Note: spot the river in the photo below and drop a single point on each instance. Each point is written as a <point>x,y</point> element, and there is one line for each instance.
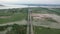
<point>14,6</point>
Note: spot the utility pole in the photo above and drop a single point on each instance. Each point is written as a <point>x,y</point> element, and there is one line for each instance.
<point>29,22</point>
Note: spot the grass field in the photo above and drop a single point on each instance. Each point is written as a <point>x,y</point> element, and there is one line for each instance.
<point>12,15</point>
<point>44,30</point>
<point>46,10</point>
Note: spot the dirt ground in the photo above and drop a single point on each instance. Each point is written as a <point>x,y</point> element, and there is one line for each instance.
<point>40,22</point>
<point>5,16</point>
<point>43,16</point>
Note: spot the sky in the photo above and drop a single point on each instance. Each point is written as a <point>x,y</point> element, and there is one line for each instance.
<point>29,1</point>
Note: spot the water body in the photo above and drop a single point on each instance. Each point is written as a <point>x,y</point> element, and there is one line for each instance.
<point>25,6</point>
<point>12,6</point>
<point>50,6</point>
<point>15,6</point>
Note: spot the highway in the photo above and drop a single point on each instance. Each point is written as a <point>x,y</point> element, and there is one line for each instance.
<point>29,23</point>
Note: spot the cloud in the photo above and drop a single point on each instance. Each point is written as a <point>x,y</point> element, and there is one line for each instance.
<point>30,1</point>
<point>46,1</point>
<point>8,0</point>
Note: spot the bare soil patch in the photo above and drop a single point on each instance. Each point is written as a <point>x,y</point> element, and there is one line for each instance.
<point>41,20</point>
<point>46,16</point>
<point>5,16</point>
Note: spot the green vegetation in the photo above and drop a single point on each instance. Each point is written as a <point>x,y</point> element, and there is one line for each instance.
<point>18,29</point>
<point>46,10</point>
<point>15,15</point>
<point>43,30</point>
<point>2,28</point>
<point>21,13</point>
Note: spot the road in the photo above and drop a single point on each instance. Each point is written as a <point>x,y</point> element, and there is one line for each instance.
<point>29,23</point>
